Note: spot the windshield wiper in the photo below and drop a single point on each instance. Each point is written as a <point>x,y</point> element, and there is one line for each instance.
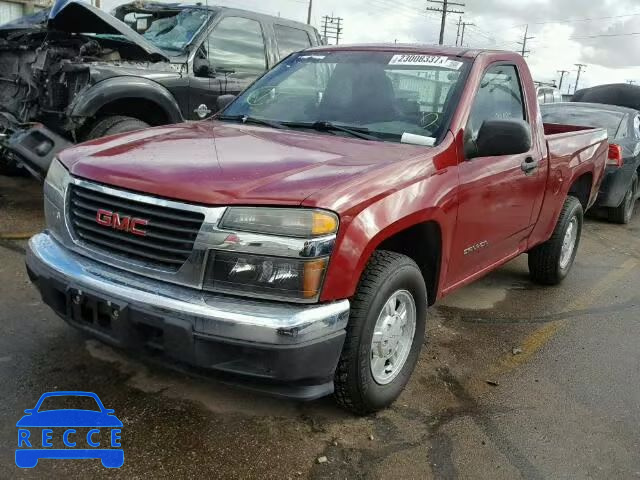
<point>254,120</point>
<point>359,132</point>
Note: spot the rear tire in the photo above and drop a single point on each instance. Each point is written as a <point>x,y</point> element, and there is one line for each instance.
<point>550,262</point>
<point>115,124</point>
<point>388,278</point>
<point>623,213</point>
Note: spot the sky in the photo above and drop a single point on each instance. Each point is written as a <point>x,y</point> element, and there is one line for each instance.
<point>603,34</point>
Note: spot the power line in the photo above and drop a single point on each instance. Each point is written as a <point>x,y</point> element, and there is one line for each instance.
<point>444,10</point>
<point>332,28</point>
<point>580,67</point>
<point>524,42</point>
<point>575,20</point>
<point>593,19</point>
<point>562,74</point>
<point>605,35</point>
<point>464,26</point>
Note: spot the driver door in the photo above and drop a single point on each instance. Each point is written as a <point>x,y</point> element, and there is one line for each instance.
<point>496,196</point>
<point>235,48</point>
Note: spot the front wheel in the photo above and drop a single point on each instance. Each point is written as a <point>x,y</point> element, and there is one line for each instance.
<point>550,262</point>
<point>113,125</point>
<point>384,335</point>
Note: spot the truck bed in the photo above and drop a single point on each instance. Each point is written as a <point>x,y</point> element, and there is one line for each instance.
<point>565,142</point>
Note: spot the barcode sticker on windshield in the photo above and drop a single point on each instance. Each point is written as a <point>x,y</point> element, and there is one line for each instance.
<point>419,60</point>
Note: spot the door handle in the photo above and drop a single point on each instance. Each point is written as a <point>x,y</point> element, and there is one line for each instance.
<point>529,165</point>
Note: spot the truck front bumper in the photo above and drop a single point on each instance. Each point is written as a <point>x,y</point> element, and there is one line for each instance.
<point>284,349</point>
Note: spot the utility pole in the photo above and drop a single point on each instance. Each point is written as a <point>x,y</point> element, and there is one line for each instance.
<point>444,9</point>
<point>464,28</point>
<point>580,66</point>
<point>562,74</point>
<point>631,82</point>
<point>458,33</point>
<point>309,12</point>
<point>524,41</point>
<point>332,28</point>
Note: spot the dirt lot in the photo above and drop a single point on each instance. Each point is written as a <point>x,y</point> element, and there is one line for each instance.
<point>515,381</point>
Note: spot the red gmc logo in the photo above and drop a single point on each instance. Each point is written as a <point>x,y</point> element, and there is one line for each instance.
<point>124,224</point>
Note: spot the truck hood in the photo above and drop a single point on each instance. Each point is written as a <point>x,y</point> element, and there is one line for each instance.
<point>222,164</point>
<point>74,16</point>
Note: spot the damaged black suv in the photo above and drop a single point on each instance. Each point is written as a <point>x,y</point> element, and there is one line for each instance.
<point>74,72</point>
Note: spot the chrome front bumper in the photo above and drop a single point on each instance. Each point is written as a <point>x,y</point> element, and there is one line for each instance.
<point>209,315</point>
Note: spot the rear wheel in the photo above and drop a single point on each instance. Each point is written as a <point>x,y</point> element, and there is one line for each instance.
<point>623,213</point>
<point>113,125</point>
<point>550,262</point>
<point>384,335</point>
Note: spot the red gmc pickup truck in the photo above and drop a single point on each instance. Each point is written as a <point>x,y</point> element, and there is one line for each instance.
<point>294,242</point>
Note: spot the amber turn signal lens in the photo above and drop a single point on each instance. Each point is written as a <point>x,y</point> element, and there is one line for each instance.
<point>313,275</point>
<point>324,223</point>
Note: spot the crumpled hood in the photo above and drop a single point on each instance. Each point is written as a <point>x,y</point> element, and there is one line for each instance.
<point>221,164</point>
<point>74,16</point>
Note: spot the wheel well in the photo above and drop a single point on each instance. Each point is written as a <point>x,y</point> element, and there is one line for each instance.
<point>140,108</point>
<point>581,189</point>
<point>423,244</point>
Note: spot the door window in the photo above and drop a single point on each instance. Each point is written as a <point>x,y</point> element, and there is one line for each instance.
<point>499,98</point>
<point>236,46</point>
<point>291,40</point>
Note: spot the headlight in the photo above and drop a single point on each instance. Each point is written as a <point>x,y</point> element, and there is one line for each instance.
<point>288,222</point>
<point>278,277</point>
<point>55,189</point>
<point>58,176</point>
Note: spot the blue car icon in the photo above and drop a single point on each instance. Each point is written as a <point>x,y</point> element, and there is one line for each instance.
<point>31,448</point>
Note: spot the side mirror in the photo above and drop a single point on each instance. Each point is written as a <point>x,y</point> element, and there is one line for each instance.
<point>202,68</point>
<point>503,137</point>
<point>224,100</point>
<point>29,411</point>
<point>109,411</point>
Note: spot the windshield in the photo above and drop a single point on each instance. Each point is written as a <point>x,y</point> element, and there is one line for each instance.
<point>67,402</point>
<point>386,94</point>
<point>168,30</point>
<point>571,114</point>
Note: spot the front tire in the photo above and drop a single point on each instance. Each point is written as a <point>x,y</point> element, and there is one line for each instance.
<point>550,262</point>
<point>623,213</point>
<point>384,335</point>
<point>115,124</point>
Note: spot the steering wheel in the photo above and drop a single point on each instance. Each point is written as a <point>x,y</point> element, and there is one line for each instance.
<point>262,96</point>
<point>429,120</point>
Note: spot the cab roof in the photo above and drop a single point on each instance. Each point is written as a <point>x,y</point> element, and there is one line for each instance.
<point>410,47</point>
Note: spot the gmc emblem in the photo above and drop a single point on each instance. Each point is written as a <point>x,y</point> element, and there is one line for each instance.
<point>124,224</point>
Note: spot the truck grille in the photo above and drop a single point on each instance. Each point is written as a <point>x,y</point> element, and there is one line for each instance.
<point>167,239</point>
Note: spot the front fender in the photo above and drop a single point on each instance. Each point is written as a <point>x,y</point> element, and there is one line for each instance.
<point>432,199</point>
<point>91,100</point>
